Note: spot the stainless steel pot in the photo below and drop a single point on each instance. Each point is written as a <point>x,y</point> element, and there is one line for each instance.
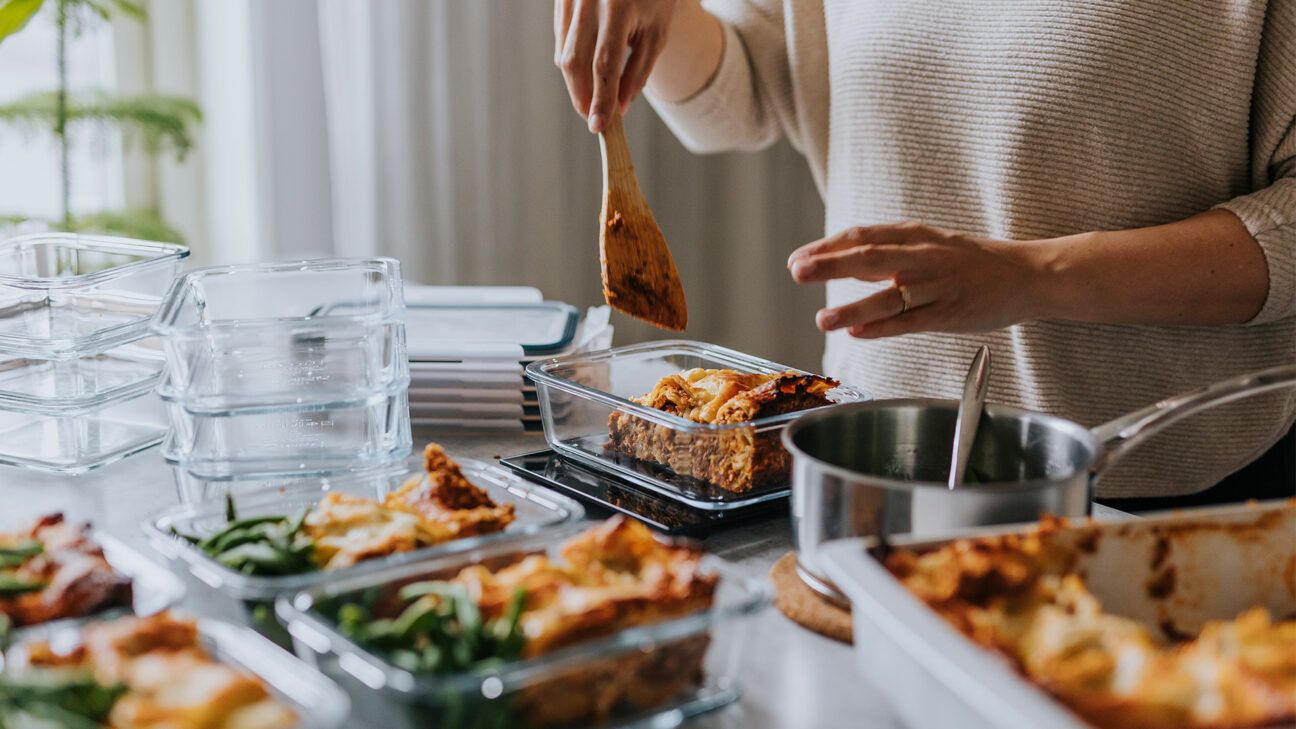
<point>880,467</point>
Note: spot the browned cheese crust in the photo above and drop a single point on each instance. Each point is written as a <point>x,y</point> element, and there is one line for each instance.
<point>737,459</point>
<point>1019,596</point>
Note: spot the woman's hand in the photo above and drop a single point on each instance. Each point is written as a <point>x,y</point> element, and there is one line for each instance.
<point>953,282</point>
<point>606,50</point>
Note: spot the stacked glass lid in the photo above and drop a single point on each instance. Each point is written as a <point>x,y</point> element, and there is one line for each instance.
<point>287,369</point>
<point>76,370</point>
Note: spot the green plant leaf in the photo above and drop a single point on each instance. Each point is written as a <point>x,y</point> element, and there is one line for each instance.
<point>14,15</point>
<point>159,122</point>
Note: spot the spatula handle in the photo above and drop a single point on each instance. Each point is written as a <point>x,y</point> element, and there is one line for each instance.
<point>616,153</point>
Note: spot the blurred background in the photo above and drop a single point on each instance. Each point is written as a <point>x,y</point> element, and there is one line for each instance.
<point>435,131</point>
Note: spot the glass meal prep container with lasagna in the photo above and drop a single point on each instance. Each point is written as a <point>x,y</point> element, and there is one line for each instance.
<point>531,509</point>
<point>693,421</point>
<point>64,296</point>
<point>167,670</point>
<point>268,335</point>
<point>56,571</point>
<point>609,627</point>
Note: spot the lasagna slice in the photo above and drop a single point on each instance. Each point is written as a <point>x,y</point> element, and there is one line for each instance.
<point>440,508</point>
<point>733,459</point>
<point>56,570</point>
<point>170,681</point>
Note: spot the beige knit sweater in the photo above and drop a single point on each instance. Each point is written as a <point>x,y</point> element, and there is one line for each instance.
<point>1024,119</point>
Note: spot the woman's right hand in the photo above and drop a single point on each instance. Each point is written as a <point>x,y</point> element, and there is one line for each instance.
<point>606,50</point>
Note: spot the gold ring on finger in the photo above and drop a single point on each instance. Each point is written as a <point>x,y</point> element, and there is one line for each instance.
<point>905,300</point>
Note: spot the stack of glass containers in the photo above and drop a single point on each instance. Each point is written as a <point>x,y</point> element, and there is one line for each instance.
<point>283,370</point>
<point>75,375</point>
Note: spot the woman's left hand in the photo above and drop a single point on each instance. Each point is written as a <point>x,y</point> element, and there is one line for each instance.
<point>952,282</point>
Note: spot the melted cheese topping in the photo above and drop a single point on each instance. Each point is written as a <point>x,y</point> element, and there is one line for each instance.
<point>727,396</point>
<point>613,575</point>
<point>440,508</point>
<point>1012,595</point>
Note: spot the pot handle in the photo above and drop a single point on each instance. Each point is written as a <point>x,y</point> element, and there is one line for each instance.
<point>1124,433</point>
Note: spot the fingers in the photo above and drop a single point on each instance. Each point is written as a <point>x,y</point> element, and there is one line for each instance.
<point>892,233</point>
<point>638,68</point>
<point>926,319</point>
<point>609,60</point>
<point>866,263</point>
<point>562,21</point>
<point>577,57</point>
<point>877,307</point>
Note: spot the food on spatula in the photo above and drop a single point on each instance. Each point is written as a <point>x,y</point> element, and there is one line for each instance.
<point>733,459</point>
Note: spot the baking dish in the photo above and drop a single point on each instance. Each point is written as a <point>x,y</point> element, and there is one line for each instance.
<point>481,696</point>
<point>1223,559</point>
<point>64,295</point>
<point>153,589</point>
<point>261,335</point>
<point>81,441</point>
<point>536,509</point>
<point>351,435</point>
<point>578,395</point>
<point>317,701</point>
<point>56,387</point>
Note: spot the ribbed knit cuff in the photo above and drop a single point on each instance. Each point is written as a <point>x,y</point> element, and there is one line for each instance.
<point>705,121</point>
<point>1270,216</point>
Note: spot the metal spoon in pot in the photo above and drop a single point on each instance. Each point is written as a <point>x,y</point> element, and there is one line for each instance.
<point>969,415</point>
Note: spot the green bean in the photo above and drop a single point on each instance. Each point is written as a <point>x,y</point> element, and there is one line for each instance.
<point>11,586</point>
<point>16,555</point>
<point>439,630</point>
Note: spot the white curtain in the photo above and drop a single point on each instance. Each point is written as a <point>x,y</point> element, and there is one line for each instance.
<point>453,147</point>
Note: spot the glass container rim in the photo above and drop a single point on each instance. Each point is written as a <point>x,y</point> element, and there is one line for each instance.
<point>542,372</point>
<point>156,253</point>
<point>164,319</point>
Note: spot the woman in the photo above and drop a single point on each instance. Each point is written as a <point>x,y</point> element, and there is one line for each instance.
<point>1104,192</point>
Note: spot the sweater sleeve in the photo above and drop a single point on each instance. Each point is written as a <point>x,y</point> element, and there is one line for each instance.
<point>751,100</point>
<point>1269,212</point>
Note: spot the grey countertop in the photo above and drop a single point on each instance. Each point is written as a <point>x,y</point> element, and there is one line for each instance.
<point>791,677</point>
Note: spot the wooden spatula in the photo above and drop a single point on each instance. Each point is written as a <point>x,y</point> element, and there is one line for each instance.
<point>639,275</point>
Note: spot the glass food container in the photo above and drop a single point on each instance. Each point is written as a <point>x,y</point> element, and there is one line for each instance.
<point>563,682</point>
<point>55,387</point>
<point>536,509</point>
<point>65,296</point>
<point>582,395</point>
<point>77,441</point>
<point>290,440</point>
<point>153,589</point>
<point>317,701</point>
<point>269,335</point>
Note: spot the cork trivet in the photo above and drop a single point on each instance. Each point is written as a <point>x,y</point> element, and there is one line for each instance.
<point>804,606</point>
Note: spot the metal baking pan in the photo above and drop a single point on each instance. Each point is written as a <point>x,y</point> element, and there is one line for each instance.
<point>1224,560</point>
